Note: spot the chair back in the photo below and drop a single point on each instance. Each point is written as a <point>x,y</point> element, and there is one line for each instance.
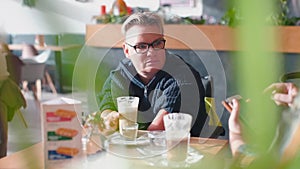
<point>40,58</point>
<point>212,127</point>
<point>34,67</point>
<point>14,67</point>
<point>291,77</point>
<point>13,63</point>
<point>32,72</point>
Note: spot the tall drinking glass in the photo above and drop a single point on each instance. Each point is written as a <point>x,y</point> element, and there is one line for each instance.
<point>127,108</point>
<point>177,126</point>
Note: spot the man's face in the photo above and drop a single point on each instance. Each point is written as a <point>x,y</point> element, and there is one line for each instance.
<point>149,63</point>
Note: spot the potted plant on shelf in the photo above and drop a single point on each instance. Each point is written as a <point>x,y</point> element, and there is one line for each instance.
<point>29,3</point>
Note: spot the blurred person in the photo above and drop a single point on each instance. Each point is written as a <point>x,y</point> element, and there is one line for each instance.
<point>283,94</point>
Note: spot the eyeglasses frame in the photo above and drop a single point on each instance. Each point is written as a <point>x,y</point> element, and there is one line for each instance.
<point>148,44</point>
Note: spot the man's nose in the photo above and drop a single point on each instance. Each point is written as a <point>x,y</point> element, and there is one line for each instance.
<point>150,47</point>
<point>150,50</point>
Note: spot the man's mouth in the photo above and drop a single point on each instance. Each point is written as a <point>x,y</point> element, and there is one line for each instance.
<point>151,62</point>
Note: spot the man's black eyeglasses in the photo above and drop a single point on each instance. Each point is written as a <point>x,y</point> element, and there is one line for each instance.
<point>142,48</point>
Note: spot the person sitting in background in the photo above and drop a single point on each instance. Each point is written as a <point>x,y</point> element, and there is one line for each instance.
<point>163,81</point>
<point>282,94</point>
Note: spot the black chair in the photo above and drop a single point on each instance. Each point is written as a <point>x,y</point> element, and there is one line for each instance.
<point>213,127</point>
<point>290,76</point>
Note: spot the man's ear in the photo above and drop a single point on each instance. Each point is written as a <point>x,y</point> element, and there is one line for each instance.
<point>126,50</point>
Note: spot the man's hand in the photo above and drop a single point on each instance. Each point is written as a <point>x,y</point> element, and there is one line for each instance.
<point>111,119</point>
<point>283,93</point>
<point>158,122</point>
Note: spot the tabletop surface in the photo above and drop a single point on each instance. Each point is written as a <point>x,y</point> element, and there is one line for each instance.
<point>94,157</point>
<point>38,47</point>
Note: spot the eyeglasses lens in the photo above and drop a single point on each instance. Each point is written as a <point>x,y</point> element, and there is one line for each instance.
<point>144,47</point>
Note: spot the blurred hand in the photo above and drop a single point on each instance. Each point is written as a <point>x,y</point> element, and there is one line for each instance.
<point>235,129</point>
<point>110,119</point>
<point>283,93</point>
<point>233,122</point>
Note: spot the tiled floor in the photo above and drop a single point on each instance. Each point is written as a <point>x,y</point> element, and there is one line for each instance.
<point>20,137</point>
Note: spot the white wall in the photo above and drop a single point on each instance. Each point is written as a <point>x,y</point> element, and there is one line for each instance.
<point>57,16</point>
<point>16,18</point>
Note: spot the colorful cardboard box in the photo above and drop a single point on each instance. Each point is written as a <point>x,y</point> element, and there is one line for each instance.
<point>61,130</point>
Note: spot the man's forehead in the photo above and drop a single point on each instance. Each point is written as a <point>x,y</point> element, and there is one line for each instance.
<point>139,30</point>
<point>130,36</point>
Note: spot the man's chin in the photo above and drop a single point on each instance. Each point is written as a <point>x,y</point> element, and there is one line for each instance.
<point>151,70</point>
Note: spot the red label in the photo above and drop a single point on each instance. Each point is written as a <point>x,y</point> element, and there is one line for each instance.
<point>51,117</point>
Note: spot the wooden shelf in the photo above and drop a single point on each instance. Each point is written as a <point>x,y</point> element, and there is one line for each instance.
<point>197,37</point>
<point>289,37</point>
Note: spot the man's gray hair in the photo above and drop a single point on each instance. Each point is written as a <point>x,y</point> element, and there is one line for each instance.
<point>144,19</point>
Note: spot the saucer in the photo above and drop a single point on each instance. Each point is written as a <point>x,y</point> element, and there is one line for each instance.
<point>118,139</point>
<point>193,157</point>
